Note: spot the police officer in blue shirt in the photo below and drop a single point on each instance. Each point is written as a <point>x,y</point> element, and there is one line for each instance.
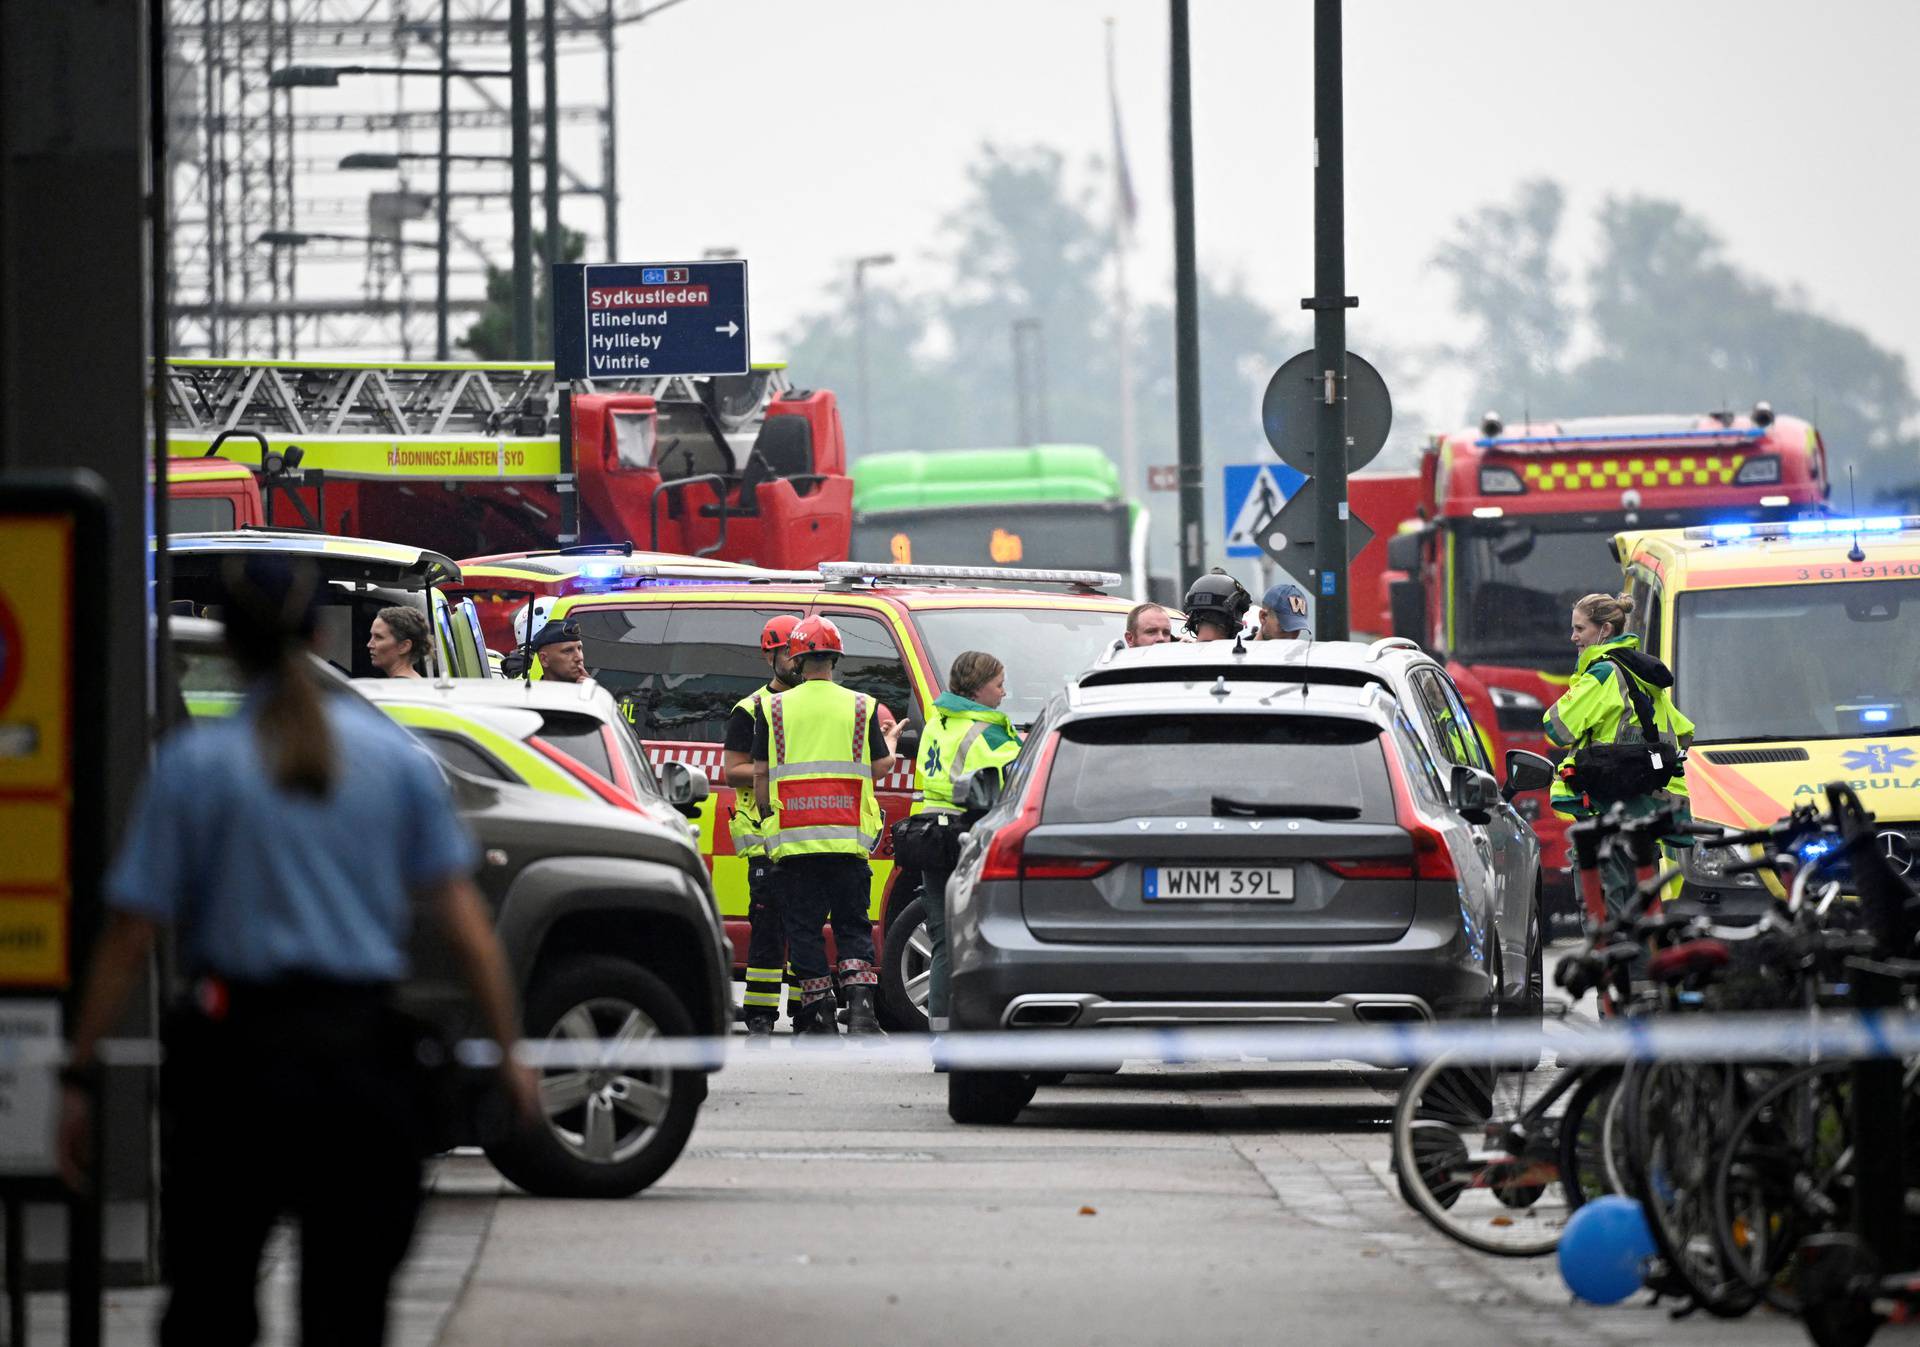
<point>287,847</point>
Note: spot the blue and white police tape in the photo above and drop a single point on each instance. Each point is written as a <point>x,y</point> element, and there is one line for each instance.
<point>1784,1036</point>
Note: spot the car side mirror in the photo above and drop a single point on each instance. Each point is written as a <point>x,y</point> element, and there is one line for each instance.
<point>1407,609</point>
<point>1474,793</point>
<point>1403,551</point>
<point>978,791</point>
<point>1525,771</point>
<point>684,788</point>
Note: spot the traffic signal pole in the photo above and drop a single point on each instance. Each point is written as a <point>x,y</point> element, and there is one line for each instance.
<point>1330,303</point>
<point>1186,310</point>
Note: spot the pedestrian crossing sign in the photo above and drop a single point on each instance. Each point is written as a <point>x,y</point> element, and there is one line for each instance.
<point>1254,493</point>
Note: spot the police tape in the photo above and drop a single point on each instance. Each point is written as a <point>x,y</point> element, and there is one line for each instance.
<point>1767,1036</point>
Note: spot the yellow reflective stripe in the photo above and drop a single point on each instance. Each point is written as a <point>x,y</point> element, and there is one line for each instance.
<point>967,741</point>
<point>529,767</point>
<point>771,998</point>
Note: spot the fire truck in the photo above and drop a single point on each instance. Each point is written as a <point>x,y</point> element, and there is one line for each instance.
<point>476,458</point>
<point>1512,526</point>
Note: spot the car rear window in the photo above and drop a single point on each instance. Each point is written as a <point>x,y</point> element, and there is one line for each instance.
<point>579,738</point>
<point>1218,765</point>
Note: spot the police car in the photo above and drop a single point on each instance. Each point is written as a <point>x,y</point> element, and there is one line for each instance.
<point>1795,648</point>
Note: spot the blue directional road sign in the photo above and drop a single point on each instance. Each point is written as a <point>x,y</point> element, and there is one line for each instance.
<point>622,320</point>
<point>1254,494</point>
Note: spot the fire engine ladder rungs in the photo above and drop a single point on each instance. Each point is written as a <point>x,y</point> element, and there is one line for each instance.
<point>480,400</point>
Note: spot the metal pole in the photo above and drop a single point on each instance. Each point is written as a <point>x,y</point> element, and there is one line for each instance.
<point>865,370</point>
<point>442,338</point>
<point>556,250</point>
<point>1329,306</point>
<point>1023,433</point>
<point>522,186</point>
<point>1040,381</point>
<point>1186,311</point>
<point>609,158</point>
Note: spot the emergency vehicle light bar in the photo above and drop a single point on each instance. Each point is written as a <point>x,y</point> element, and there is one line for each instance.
<point>1641,440</point>
<point>873,570</point>
<point>1801,528</point>
<point>615,571</point>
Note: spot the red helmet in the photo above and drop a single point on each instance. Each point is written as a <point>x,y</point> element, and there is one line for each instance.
<point>815,636</point>
<point>777,632</point>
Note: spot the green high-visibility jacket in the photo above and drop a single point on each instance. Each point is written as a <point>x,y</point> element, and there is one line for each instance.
<point>1596,709</point>
<point>962,736</point>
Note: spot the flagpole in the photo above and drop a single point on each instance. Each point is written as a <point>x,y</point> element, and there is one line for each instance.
<point>1130,474</point>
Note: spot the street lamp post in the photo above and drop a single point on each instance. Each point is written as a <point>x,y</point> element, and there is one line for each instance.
<point>860,265</point>
<point>442,338</point>
<point>550,53</point>
<point>522,187</point>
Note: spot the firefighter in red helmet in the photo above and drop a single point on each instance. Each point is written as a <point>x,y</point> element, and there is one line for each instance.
<point>816,755</point>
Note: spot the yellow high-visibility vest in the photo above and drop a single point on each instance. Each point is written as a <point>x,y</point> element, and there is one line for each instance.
<point>819,773</point>
<point>747,826</point>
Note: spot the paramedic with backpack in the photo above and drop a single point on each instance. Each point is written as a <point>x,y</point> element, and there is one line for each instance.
<point>1626,741</point>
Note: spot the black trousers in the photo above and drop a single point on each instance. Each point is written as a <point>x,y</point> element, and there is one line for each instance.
<point>300,1102</point>
<point>766,942</point>
<point>816,890</point>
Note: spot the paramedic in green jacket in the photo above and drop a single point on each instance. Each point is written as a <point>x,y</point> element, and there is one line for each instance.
<point>1598,707</point>
<point>966,733</point>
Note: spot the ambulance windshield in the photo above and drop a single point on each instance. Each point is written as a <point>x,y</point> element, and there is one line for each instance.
<point>1805,661</point>
<point>1041,647</point>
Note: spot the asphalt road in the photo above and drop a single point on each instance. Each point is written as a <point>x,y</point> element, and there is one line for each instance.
<point>836,1203</point>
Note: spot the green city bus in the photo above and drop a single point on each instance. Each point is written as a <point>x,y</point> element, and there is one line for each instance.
<point>1048,505</point>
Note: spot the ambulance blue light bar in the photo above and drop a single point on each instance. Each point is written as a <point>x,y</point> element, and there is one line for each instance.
<point>867,570</point>
<point>1801,528</point>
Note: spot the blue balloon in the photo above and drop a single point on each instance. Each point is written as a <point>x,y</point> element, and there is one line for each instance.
<point>1604,1248</point>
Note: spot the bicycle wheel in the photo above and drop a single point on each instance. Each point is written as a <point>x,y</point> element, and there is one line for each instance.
<point>1477,1151</point>
<point>1583,1165</point>
<point>1677,1118</point>
<point>1783,1174</point>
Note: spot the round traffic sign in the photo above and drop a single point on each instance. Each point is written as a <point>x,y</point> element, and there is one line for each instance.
<point>1288,411</point>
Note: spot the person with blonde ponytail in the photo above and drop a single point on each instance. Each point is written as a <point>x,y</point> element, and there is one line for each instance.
<point>287,846</point>
<point>1625,740</point>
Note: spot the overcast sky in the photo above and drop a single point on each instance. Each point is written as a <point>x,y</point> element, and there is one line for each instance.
<point>807,132</point>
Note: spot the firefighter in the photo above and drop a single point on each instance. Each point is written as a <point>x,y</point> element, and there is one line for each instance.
<point>767,941</point>
<point>1620,703</point>
<point>966,733</point>
<point>563,659</point>
<point>1283,613</point>
<point>1216,604</point>
<point>815,758</point>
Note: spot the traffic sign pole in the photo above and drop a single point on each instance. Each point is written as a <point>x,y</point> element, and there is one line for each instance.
<point>1186,309</point>
<point>1329,304</point>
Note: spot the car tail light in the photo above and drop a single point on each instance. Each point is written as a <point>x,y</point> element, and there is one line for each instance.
<point>1004,858</point>
<point>1055,867</point>
<point>1431,858</point>
<point>1374,867</point>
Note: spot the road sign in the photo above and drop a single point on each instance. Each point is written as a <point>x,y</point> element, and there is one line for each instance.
<point>1288,537</point>
<point>1163,477</point>
<point>1254,494</point>
<point>613,320</point>
<point>1297,388</point>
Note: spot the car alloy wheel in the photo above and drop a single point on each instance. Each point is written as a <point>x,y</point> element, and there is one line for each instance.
<point>605,1115</point>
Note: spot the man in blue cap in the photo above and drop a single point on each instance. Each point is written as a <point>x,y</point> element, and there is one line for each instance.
<point>562,658</point>
<point>1283,613</point>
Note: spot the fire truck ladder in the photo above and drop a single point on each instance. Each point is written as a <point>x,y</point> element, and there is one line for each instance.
<point>411,401</point>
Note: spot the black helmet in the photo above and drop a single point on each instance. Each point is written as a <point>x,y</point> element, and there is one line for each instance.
<point>1219,597</point>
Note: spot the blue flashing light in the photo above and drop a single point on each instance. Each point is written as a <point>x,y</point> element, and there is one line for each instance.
<point>1814,848</point>
<point>1877,715</point>
<point>1732,532</point>
<point>600,570</point>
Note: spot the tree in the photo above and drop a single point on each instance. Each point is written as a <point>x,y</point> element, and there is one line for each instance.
<point>1030,241</point>
<point>1670,324</point>
<point>491,336</point>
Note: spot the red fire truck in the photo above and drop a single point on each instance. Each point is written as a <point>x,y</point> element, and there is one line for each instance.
<point>473,458</point>
<point>1512,526</point>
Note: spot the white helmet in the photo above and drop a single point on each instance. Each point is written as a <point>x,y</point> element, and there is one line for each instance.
<point>541,607</point>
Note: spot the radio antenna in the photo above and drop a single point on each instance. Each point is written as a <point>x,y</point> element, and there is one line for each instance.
<point>1853,511</point>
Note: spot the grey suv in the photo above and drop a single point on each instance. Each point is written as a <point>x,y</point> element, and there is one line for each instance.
<point>1205,834</point>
